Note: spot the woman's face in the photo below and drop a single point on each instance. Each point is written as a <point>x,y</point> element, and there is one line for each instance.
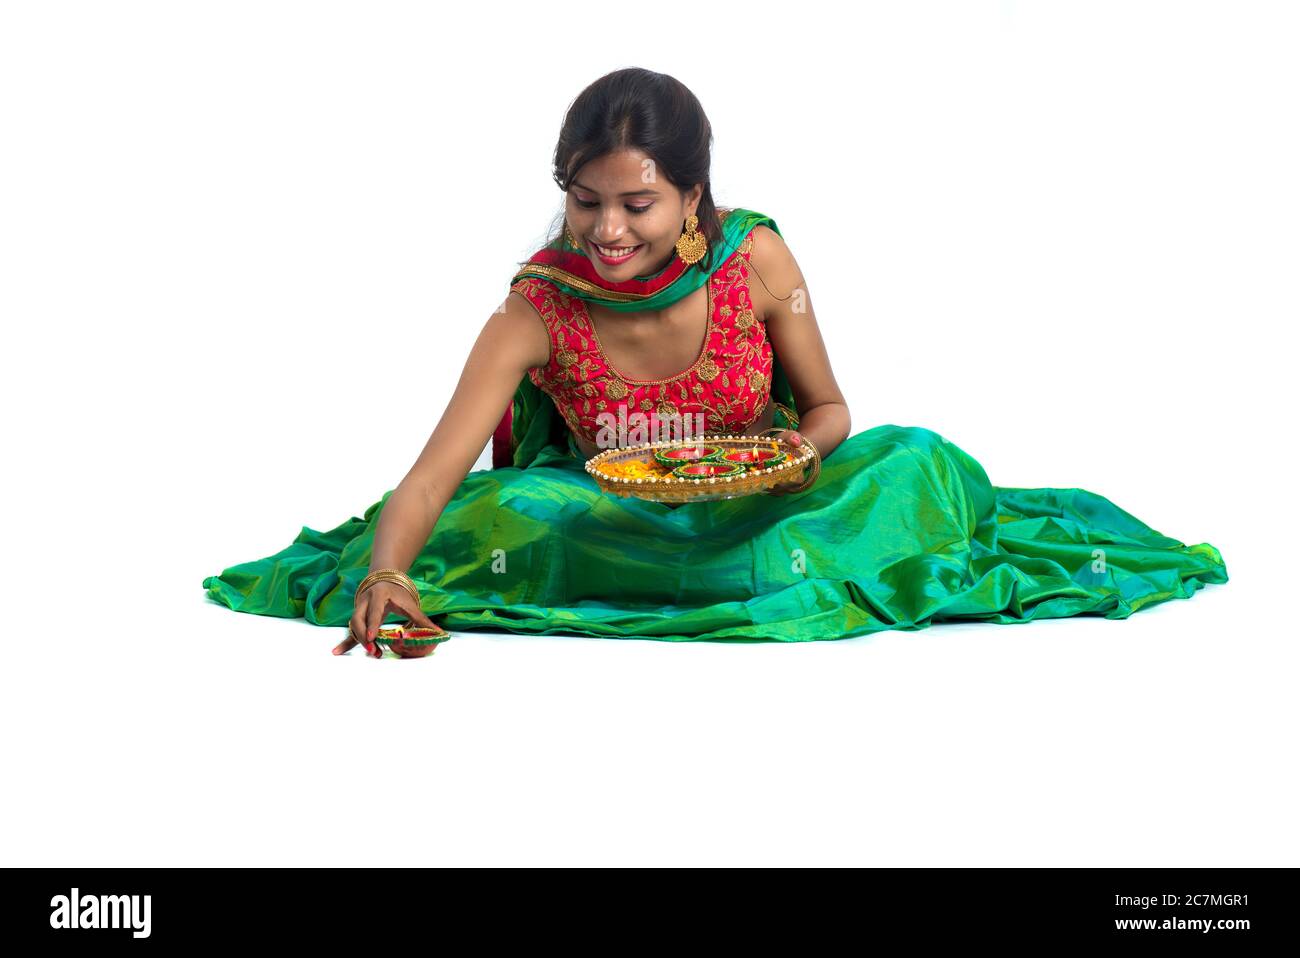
<point>619,202</point>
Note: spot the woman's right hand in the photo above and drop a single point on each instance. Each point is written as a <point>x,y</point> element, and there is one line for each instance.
<point>370,610</point>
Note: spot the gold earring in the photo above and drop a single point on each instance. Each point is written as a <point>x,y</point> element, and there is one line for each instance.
<point>569,236</point>
<point>691,244</point>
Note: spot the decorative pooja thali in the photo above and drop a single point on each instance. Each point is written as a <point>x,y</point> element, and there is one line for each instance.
<point>701,468</point>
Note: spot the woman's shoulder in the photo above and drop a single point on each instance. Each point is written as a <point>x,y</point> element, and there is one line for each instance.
<point>766,251</point>
<point>759,237</point>
<point>772,260</point>
<point>545,295</point>
<point>764,241</point>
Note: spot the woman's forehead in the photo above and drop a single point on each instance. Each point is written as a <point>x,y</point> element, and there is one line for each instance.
<point>623,172</point>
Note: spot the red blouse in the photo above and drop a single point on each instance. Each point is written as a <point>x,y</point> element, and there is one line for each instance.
<point>729,382</point>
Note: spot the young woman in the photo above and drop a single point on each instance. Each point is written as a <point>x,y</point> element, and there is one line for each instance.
<point>651,300</point>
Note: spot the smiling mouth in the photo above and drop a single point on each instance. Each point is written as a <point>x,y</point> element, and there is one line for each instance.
<point>615,254</point>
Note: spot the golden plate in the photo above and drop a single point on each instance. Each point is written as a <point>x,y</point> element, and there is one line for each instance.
<point>658,485</point>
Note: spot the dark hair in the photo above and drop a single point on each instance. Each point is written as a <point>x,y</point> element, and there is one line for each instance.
<point>651,112</point>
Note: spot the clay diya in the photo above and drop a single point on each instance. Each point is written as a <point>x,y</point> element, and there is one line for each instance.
<point>679,455</point>
<point>707,469</point>
<point>757,457</point>
<point>410,642</point>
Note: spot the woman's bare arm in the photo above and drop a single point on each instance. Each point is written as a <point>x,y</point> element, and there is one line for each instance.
<point>781,296</point>
<point>513,340</point>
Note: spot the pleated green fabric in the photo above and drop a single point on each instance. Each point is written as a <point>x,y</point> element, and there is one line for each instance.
<point>902,530</point>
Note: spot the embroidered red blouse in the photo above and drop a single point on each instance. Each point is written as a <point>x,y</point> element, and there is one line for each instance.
<point>729,382</point>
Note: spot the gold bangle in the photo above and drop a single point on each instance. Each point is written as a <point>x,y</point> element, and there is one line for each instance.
<point>383,574</point>
<point>412,592</point>
<point>390,575</point>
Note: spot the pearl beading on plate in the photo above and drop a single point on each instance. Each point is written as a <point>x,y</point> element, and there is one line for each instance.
<point>593,463</point>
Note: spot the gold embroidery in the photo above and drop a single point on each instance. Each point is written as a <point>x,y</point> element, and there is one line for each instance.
<point>615,389</point>
<point>726,407</point>
<point>558,275</point>
<point>749,351</point>
<point>709,369</point>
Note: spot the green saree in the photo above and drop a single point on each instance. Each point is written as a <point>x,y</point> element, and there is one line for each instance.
<point>902,530</point>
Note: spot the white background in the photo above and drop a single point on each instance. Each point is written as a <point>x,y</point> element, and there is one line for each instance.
<point>246,248</point>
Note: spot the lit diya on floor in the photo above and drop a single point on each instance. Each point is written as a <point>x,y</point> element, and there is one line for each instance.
<point>410,641</point>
